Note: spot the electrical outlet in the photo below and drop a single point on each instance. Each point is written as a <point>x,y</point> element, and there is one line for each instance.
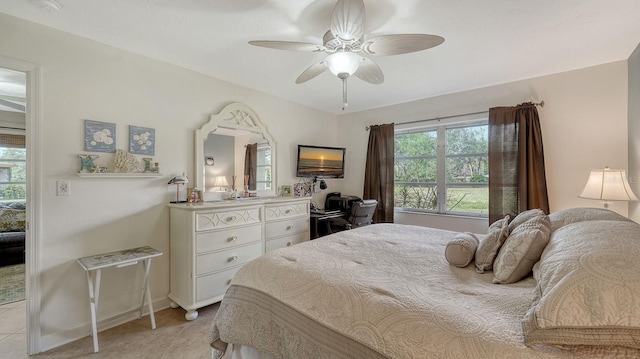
<point>63,188</point>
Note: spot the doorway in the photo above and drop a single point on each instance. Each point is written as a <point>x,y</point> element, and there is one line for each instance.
<point>19,192</point>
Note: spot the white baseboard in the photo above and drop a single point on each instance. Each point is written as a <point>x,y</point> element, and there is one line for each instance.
<point>55,340</point>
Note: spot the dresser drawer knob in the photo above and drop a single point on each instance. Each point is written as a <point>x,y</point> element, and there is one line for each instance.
<point>287,211</point>
<point>233,259</point>
<point>289,228</point>
<point>289,244</point>
<point>232,218</point>
<point>233,238</point>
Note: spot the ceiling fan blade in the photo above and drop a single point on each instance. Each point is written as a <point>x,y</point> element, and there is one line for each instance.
<point>311,72</point>
<point>400,44</point>
<point>289,45</point>
<point>370,71</point>
<point>347,21</point>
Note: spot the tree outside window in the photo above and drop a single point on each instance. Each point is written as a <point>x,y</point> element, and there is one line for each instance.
<point>443,169</point>
<point>13,174</point>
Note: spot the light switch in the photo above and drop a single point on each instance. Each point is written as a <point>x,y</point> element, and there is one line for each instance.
<point>63,188</point>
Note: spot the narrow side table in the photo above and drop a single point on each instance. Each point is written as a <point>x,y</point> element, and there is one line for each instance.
<point>93,265</point>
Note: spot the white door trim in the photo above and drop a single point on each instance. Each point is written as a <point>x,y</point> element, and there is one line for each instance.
<point>34,197</point>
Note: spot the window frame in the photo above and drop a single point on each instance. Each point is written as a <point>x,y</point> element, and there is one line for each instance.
<point>266,168</point>
<point>441,157</point>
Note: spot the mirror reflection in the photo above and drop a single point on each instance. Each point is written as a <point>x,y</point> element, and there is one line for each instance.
<point>235,159</point>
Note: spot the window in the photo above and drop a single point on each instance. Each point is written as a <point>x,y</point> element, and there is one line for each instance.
<point>13,175</point>
<point>263,171</point>
<point>443,169</point>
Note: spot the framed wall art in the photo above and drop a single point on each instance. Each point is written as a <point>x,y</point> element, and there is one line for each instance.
<point>99,136</point>
<point>142,140</point>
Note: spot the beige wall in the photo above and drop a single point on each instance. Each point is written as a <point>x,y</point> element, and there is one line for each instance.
<point>584,125</point>
<point>634,131</point>
<point>82,79</point>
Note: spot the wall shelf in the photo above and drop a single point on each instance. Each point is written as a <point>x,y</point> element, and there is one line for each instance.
<point>120,175</point>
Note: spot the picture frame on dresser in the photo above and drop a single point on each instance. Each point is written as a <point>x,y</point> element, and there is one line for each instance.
<point>286,191</point>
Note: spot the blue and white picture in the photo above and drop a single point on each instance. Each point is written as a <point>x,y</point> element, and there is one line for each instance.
<point>99,136</point>
<point>142,140</point>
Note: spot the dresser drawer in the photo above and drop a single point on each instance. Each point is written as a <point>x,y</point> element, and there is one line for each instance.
<point>286,227</point>
<point>210,262</point>
<point>206,221</point>
<point>286,210</point>
<point>223,239</point>
<point>286,241</point>
<point>213,285</point>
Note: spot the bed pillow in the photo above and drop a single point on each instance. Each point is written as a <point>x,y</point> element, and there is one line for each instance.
<point>490,245</point>
<point>521,250</point>
<point>461,249</point>
<point>573,215</point>
<point>525,216</point>
<point>588,287</point>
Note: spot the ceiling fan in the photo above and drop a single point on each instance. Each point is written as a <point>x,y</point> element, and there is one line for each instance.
<point>345,43</point>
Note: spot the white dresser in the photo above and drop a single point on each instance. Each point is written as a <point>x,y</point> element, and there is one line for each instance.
<point>211,241</point>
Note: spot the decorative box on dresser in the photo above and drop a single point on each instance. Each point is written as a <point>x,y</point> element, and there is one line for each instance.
<point>211,241</point>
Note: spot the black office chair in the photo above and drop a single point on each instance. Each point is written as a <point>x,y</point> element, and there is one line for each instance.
<point>360,215</point>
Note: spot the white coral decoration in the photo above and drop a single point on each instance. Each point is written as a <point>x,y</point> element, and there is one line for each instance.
<point>125,162</point>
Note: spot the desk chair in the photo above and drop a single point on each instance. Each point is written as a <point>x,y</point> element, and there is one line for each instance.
<point>360,214</point>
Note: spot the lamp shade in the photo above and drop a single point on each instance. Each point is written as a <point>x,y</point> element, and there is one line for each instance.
<point>220,181</point>
<point>343,62</point>
<point>608,185</point>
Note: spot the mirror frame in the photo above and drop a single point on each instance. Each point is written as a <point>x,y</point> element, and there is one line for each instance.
<point>234,116</point>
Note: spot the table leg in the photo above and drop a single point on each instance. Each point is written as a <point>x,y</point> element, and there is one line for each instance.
<point>146,292</point>
<point>93,303</point>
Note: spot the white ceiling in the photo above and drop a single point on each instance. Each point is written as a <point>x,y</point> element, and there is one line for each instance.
<point>486,42</point>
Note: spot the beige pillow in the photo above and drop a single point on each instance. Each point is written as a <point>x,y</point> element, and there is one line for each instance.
<point>581,214</point>
<point>525,216</point>
<point>588,287</point>
<point>521,250</point>
<point>461,249</point>
<point>490,245</point>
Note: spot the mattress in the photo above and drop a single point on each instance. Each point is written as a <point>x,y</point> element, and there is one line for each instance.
<point>380,291</point>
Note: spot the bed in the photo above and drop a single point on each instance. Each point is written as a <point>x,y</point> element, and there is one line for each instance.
<point>387,291</point>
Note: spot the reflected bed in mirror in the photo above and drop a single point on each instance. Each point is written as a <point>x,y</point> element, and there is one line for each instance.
<point>225,139</point>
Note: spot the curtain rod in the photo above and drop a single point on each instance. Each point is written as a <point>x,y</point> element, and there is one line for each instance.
<point>541,104</point>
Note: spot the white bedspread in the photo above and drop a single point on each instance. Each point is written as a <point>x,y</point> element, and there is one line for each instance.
<point>386,287</point>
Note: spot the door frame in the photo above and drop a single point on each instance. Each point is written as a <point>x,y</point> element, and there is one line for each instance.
<point>34,198</point>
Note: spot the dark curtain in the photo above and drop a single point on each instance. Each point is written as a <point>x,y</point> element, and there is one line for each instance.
<point>251,165</point>
<point>378,175</point>
<point>517,179</point>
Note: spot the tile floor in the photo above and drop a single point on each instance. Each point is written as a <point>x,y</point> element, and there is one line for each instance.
<point>174,337</point>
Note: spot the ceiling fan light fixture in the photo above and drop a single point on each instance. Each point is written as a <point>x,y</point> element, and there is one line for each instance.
<point>343,63</point>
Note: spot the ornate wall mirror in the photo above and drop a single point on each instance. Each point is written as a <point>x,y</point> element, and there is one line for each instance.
<point>222,141</point>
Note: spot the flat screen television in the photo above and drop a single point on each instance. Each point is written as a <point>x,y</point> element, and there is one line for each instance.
<point>320,161</point>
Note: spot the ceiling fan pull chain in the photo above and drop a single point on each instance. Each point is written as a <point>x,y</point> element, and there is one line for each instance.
<point>344,93</point>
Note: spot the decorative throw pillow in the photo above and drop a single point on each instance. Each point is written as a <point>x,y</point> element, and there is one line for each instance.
<point>521,250</point>
<point>490,245</point>
<point>461,249</point>
<point>574,215</point>
<point>525,216</point>
<point>588,287</point>
<point>12,220</point>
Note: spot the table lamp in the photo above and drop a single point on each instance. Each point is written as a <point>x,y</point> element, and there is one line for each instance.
<point>608,185</point>
<point>221,182</point>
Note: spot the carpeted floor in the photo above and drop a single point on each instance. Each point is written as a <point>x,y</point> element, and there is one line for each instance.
<point>11,283</point>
